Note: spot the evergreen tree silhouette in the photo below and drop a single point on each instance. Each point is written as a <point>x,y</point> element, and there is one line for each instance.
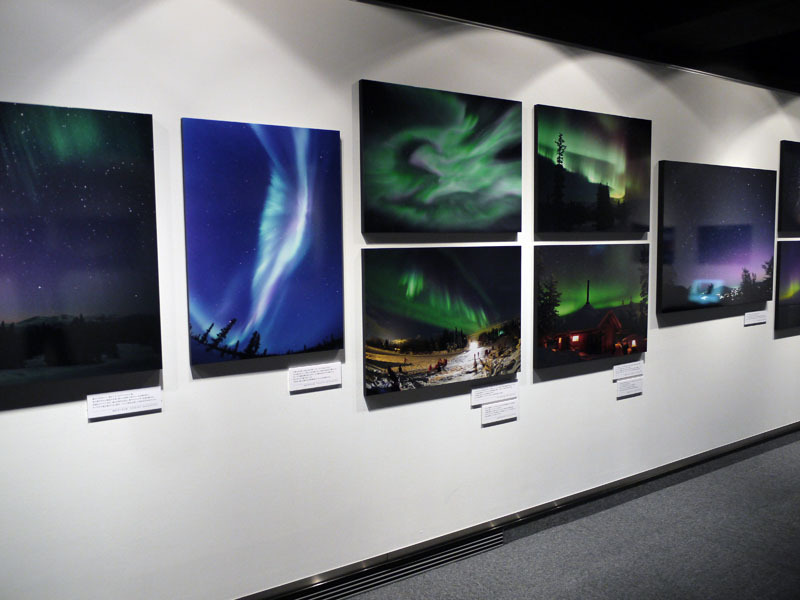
<point>223,333</point>
<point>252,346</point>
<point>204,338</point>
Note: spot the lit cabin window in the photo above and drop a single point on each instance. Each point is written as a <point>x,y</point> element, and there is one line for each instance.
<point>633,343</point>
<point>576,338</point>
<point>559,340</point>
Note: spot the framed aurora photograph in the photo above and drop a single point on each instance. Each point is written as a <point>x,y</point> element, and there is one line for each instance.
<point>592,174</point>
<point>787,295</point>
<point>591,302</point>
<point>263,210</point>
<point>789,190</point>
<point>716,236</point>
<point>434,161</point>
<point>78,255</point>
<point>435,316</point>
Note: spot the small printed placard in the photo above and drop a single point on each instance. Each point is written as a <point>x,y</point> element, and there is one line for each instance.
<point>113,404</point>
<point>756,317</point>
<point>495,412</point>
<point>630,387</point>
<point>494,393</point>
<point>634,369</point>
<point>315,376</point>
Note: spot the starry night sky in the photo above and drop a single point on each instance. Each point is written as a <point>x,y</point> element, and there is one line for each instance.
<point>719,220</point>
<point>263,232</point>
<point>77,213</point>
<point>412,292</point>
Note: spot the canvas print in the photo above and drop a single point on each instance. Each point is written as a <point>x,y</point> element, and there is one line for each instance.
<point>263,208</point>
<point>789,190</point>
<point>591,302</point>
<point>78,257</point>
<point>716,235</point>
<point>787,304</point>
<point>592,173</point>
<point>435,161</point>
<point>434,316</point>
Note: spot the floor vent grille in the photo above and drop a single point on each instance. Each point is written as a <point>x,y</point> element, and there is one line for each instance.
<point>376,577</point>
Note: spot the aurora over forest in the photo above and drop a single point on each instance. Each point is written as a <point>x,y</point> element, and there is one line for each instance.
<point>263,237</point>
<point>439,161</point>
<point>603,159</point>
<point>414,292</point>
<point>615,273</point>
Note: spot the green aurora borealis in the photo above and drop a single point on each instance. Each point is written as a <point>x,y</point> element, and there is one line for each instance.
<point>439,161</point>
<point>415,292</point>
<point>600,151</point>
<point>603,148</point>
<point>614,271</point>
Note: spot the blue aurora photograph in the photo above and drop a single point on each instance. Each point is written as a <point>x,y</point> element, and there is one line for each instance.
<point>789,190</point>
<point>263,210</point>
<point>78,257</point>
<point>434,316</point>
<point>435,161</point>
<point>716,236</point>
<point>787,303</point>
<point>591,302</point>
<point>592,173</point>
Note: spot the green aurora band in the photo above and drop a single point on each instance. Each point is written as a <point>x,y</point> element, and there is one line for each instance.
<point>599,159</point>
<point>67,136</point>
<point>449,174</point>
<point>788,291</point>
<point>408,294</point>
<point>614,272</point>
<point>603,295</point>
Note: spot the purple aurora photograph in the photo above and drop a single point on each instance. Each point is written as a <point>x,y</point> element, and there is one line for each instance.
<point>716,236</point>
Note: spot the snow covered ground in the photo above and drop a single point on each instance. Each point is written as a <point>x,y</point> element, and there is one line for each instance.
<point>411,370</point>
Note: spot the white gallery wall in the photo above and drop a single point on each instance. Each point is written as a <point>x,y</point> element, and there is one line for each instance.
<point>237,487</point>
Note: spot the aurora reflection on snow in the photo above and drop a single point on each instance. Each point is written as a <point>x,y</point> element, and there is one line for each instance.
<point>263,229</point>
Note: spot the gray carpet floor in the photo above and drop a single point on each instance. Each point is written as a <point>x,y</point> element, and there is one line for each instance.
<point>728,528</point>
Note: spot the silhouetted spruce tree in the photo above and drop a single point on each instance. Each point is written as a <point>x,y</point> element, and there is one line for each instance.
<point>548,298</point>
<point>747,287</point>
<point>253,345</point>
<point>204,338</point>
<point>558,182</point>
<point>223,333</point>
<point>766,285</point>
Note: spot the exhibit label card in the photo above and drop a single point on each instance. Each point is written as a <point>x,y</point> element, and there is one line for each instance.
<point>630,387</point>
<point>496,412</point>
<point>756,317</point>
<point>634,369</point>
<point>494,393</point>
<point>315,376</point>
<point>113,404</point>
